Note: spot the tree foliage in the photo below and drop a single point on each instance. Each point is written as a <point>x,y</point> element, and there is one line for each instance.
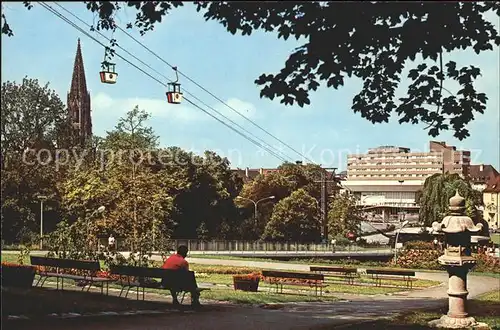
<point>295,218</point>
<point>32,118</point>
<point>373,41</point>
<point>343,216</point>
<point>288,178</point>
<point>436,193</point>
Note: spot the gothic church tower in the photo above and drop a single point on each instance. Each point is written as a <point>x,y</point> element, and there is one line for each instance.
<point>79,99</point>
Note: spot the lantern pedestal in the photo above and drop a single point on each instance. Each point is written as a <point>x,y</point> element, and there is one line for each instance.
<point>446,322</point>
<point>457,317</point>
<point>457,259</point>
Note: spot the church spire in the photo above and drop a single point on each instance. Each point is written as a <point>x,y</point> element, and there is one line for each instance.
<point>79,98</point>
<point>78,82</point>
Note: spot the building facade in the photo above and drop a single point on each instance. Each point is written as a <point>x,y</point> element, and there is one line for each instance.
<point>386,179</point>
<point>78,100</point>
<point>491,200</point>
<point>481,174</point>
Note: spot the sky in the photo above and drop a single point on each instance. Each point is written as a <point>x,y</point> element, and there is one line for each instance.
<point>44,46</point>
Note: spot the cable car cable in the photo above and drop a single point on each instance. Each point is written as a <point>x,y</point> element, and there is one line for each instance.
<point>55,12</point>
<point>268,146</point>
<point>215,96</point>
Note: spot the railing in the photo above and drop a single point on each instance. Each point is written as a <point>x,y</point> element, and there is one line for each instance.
<point>238,247</point>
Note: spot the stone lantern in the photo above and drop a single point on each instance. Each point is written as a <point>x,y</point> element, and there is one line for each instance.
<point>458,229</point>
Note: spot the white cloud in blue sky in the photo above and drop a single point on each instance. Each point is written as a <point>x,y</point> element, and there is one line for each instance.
<point>44,48</point>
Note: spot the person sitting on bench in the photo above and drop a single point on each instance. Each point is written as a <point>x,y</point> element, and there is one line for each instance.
<point>178,262</point>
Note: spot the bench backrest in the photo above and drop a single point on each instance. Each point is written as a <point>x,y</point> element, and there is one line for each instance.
<point>179,279</point>
<point>390,272</point>
<point>332,269</point>
<point>150,272</point>
<point>65,263</point>
<point>298,275</point>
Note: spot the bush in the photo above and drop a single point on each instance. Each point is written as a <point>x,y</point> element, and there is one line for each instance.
<point>487,263</point>
<point>420,259</point>
<point>341,240</point>
<point>419,245</point>
<point>420,255</point>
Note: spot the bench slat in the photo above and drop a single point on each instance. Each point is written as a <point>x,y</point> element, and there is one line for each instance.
<point>390,272</point>
<point>332,269</point>
<point>65,263</point>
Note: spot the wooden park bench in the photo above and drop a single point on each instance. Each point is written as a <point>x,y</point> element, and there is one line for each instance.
<point>57,265</point>
<point>349,274</point>
<point>393,275</point>
<point>140,277</point>
<point>280,278</point>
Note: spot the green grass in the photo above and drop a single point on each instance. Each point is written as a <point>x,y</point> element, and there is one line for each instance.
<point>495,238</point>
<point>242,297</point>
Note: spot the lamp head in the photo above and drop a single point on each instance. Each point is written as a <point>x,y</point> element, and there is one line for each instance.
<point>404,223</point>
<point>271,197</point>
<point>101,209</point>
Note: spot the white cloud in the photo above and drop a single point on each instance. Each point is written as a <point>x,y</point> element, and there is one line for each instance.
<point>105,106</point>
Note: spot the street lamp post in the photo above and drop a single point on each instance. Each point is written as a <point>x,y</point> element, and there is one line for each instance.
<point>396,241</point>
<point>255,204</point>
<point>42,199</point>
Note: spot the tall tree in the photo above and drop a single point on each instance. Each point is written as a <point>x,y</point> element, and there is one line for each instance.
<point>288,178</point>
<point>436,193</point>
<point>136,195</point>
<point>373,41</point>
<point>343,216</point>
<point>295,218</point>
<point>31,117</point>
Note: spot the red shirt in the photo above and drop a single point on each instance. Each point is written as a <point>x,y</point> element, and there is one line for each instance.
<point>175,261</point>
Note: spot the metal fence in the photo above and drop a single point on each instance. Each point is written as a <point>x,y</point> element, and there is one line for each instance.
<point>236,246</point>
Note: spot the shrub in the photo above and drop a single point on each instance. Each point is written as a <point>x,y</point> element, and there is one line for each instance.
<point>421,259</point>
<point>487,263</point>
<point>419,245</point>
<point>419,254</point>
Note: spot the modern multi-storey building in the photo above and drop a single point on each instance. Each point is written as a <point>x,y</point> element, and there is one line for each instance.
<point>387,178</point>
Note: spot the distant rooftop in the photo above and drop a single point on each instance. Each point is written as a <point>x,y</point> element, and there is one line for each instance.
<point>388,149</point>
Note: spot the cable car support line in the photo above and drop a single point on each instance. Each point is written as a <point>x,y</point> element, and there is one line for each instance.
<point>215,96</point>
<point>61,16</point>
<point>171,87</point>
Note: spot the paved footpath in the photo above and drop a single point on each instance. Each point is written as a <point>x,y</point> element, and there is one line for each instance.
<point>350,310</point>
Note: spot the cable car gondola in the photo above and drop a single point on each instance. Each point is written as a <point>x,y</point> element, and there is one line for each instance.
<point>174,95</point>
<point>108,74</point>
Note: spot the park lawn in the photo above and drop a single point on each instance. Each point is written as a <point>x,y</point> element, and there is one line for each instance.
<point>242,297</point>
<point>223,275</point>
<point>227,280</point>
<point>495,238</point>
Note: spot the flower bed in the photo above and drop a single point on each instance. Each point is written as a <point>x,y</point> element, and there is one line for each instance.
<point>16,275</point>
